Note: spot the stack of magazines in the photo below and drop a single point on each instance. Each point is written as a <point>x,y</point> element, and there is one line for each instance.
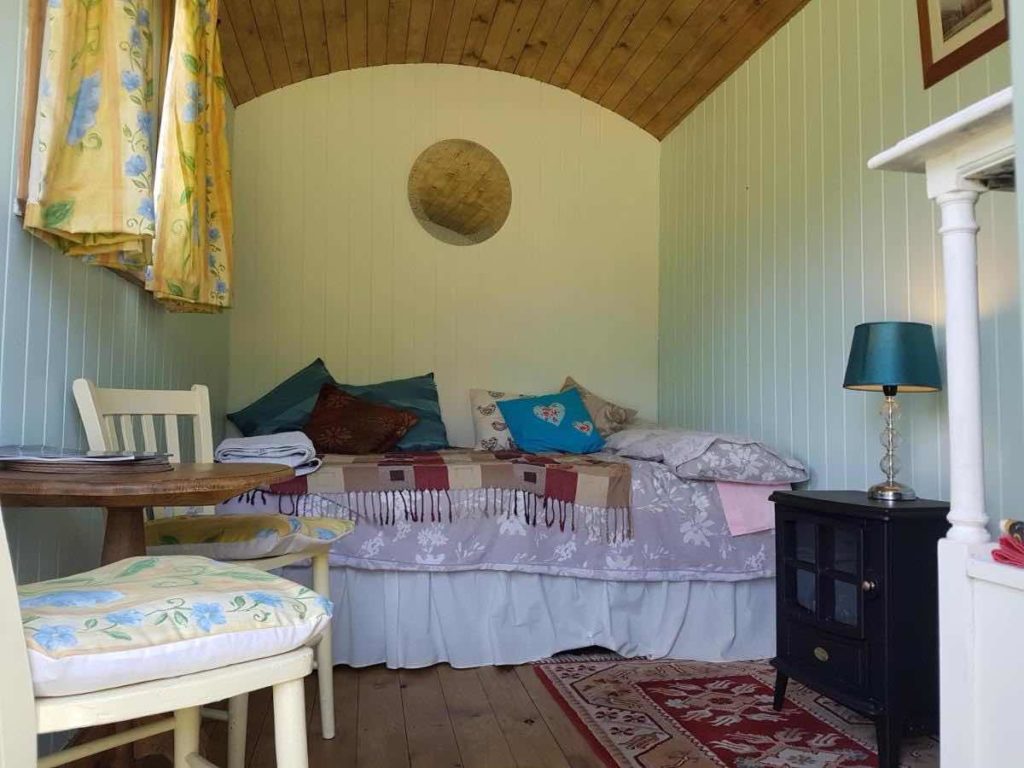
<point>46,458</point>
<point>1011,543</point>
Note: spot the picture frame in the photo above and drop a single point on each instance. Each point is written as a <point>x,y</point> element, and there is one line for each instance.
<point>956,32</point>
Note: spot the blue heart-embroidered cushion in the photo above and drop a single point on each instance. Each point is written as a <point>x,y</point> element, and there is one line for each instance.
<point>559,422</point>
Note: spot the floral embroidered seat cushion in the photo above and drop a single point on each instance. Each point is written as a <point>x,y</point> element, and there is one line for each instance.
<point>148,618</point>
<point>241,537</point>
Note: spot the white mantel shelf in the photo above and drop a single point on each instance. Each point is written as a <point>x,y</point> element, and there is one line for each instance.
<point>972,148</point>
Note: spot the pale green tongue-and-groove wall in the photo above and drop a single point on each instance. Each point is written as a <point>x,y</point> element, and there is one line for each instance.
<point>776,240</point>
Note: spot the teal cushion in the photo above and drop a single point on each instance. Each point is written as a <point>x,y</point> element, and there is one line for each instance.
<point>419,395</point>
<point>558,422</point>
<point>287,406</point>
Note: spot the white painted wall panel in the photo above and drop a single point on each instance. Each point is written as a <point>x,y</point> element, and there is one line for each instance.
<point>331,262</point>
<point>776,240</point>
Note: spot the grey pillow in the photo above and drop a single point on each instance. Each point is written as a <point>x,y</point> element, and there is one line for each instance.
<point>708,455</point>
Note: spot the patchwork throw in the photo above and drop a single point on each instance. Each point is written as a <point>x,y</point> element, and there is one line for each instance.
<point>561,490</point>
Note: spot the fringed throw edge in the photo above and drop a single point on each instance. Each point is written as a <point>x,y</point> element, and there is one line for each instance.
<point>387,508</point>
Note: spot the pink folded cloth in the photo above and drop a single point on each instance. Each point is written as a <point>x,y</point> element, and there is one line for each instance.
<point>746,506</point>
<point>1009,551</point>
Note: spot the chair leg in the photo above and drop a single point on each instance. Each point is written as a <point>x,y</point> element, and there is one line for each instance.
<point>324,654</point>
<point>290,725</point>
<point>186,735</point>
<point>238,717</point>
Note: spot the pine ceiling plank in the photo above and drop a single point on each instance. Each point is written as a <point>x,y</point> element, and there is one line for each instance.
<point>290,16</point>
<point>398,30</point>
<point>497,35</point>
<point>668,77</point>
<point>526,17</point>
<point>437,32</point>
<point>269,27</point>
<point>540,36</point>
<point>314,24</point>
<point>479,26</point>
<point>235,70</point>
<point>737,50</point>
<point>247,33</point>
<point>605,44</point>
<point>681,58</point>
<point>570,22</point>
<point>336,23</point>
<point>591,26</point>
<point>648,50</point>
<point>358,55</point>
<point>626,46</point>
<point>377,32</point>
<point>458,29</point>
<point>419,23</point>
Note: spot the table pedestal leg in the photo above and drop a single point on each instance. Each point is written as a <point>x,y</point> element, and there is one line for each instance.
<point>125,534</point>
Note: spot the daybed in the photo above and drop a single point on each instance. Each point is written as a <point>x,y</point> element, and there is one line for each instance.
<point>484,575</point>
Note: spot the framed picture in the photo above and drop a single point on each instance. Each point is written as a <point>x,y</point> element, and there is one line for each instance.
<point>956,32</point>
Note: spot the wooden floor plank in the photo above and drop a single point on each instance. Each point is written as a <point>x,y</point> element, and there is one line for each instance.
<point>437,717</point>
<point>570,740</point>
<point>527,734</point>
<point>339,752</point>
<point>428,727</point>
<point>381,732</point>
<point>477,732</point>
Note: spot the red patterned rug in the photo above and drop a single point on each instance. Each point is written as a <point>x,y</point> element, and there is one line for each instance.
<point>685,714</point>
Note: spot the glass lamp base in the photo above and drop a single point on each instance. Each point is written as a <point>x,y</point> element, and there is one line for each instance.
<point>891,491</point>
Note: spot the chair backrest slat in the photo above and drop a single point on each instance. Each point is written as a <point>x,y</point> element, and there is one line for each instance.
<point>171,438</point>
<point>148,433</point>
<point>109,433</point>
<point>17,705</point>
<point>203,424</point>
<point>127,432</point>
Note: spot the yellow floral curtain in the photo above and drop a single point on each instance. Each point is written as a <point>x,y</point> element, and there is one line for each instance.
<point>93,192</point>
<point>191,268</point>
<point>90,190</point>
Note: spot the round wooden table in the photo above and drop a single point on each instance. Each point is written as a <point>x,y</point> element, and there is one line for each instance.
<point>125,495</point>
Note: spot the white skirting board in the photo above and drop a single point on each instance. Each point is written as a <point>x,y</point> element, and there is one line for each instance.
<point>476,618</point>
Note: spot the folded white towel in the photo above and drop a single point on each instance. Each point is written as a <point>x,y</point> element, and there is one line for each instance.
<point>294,449</point>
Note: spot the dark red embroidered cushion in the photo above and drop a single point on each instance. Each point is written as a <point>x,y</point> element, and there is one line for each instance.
<point>344,423</point>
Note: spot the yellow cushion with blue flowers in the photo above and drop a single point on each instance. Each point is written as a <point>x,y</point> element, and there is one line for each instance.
<point>241,537</point>
<point>147,618</point>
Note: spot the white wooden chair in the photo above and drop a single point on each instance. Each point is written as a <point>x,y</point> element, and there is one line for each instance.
<point>23,715</point>
<point>109,417</point>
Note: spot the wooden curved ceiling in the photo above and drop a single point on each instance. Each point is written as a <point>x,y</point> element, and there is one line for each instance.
<point>652,61</point>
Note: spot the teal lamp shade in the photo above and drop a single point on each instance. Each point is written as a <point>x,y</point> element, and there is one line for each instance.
<point>893,354</point>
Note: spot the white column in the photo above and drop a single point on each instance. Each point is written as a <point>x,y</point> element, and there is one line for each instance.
<point>959,232</point>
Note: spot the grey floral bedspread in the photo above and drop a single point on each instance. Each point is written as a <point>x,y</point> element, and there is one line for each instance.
<point>679,534</point>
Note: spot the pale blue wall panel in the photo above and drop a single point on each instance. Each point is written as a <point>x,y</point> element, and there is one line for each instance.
<point>776,240</point>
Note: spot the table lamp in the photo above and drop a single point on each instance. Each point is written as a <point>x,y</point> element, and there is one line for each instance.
<point>892,357</point>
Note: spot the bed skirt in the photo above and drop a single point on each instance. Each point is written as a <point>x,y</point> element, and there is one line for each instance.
<point>475,618</point>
